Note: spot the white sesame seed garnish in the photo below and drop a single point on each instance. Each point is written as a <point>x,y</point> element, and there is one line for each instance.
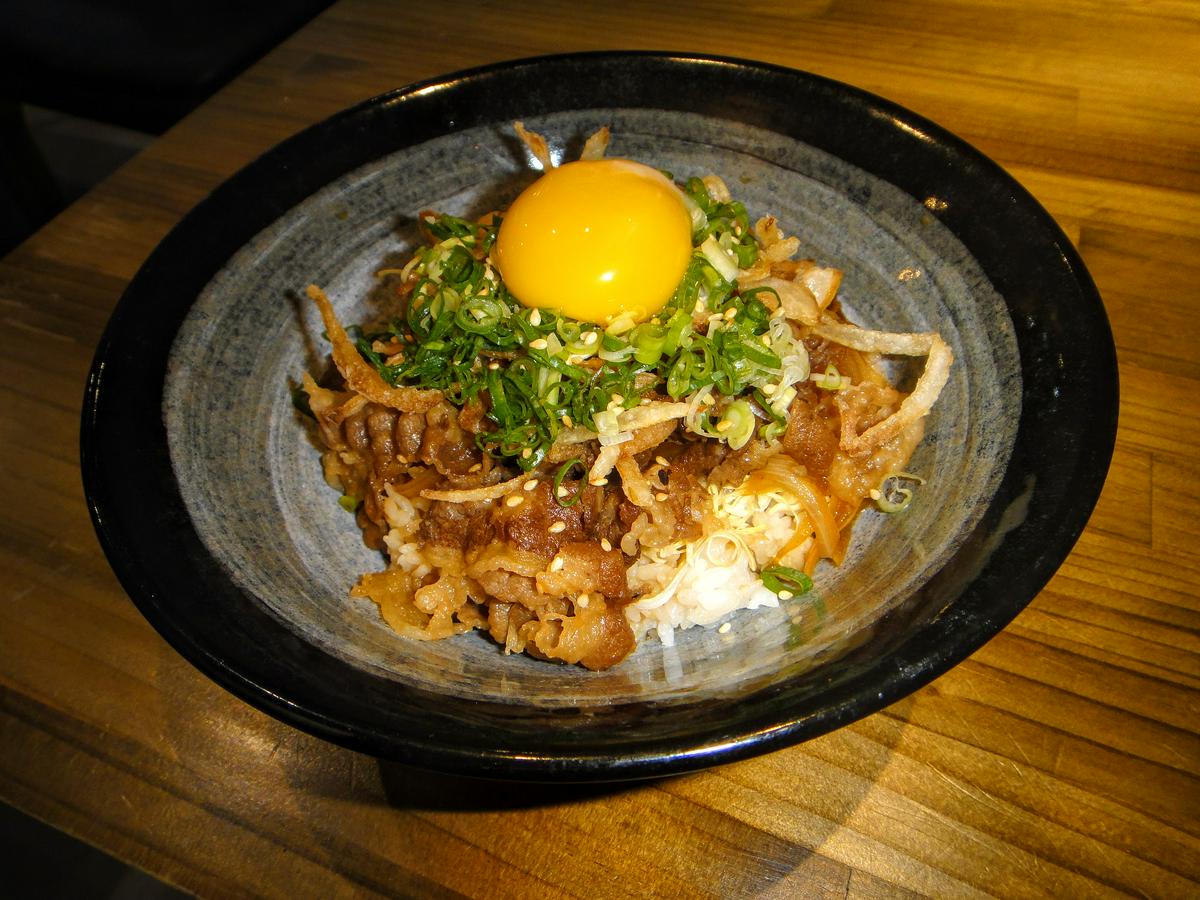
<point>786,595</point>
<point>724,425</point>
<point>618,399</point>
<point>538,344</point>
<point>526,453</point>
<point>766,339</point>
<point>708,400</point>
<point>768,389</point>
<point>556,564</point>
<point>493,366</point>
<point>566,420</point>
<point>731,313</point>
<point>530,484</point>
<point>605,545</point>
<point>582,601</point>
<point>535,317</point>
<point>724,629</point>
<point>662,461</point>
<point>514,500</point>
<point>598,482</point>
<point>699,307</point>
<point>563,491</point>
<point>660,496</point>
<point>590,338</point>
<point>557,527</point>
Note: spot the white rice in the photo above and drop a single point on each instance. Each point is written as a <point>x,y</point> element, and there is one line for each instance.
<point>681,585</point>
<point>703,582</point>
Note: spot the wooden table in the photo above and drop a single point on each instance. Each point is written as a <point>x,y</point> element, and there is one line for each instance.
<point>1060,759</point>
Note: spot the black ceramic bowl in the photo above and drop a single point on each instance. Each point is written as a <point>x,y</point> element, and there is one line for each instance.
<point>209,500</point>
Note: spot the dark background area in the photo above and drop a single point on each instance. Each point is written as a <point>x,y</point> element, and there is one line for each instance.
<point>85,83</point>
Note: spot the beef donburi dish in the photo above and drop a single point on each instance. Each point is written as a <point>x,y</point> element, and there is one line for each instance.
<point>617,408</point>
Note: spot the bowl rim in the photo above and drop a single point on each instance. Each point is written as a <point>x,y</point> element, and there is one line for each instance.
<point>1062,450</point>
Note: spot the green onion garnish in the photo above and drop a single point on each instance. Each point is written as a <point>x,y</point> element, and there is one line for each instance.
<point>892,495</point>
<point>563,470</point>
<point>778,579</point>
<point>464,334</point>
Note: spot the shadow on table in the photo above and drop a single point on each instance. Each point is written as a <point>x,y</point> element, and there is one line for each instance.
<point>415,789</point>
<point>758,827</point>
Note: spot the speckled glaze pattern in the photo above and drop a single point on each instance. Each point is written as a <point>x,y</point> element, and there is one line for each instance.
<point>223,531</point>
<point>288,543</point>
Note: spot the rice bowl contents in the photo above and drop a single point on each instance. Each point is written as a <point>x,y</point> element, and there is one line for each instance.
<point>572,484</point>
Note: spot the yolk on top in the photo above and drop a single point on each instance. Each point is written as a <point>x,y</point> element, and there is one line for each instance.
<point>595,239</point>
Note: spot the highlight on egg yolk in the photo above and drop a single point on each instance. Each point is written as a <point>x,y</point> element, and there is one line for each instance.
<point>595,239</point>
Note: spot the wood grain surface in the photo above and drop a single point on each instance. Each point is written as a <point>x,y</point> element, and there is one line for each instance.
<point>1061,759</point>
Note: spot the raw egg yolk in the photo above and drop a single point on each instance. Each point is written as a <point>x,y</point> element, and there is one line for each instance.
<point>594,239</point>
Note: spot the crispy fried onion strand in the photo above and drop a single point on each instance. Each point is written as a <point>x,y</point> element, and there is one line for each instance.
<point>476,495</point>
<point>537,145</point>
<point>925,393</point>
<point>360,375</point>
<point>633,420</point>
<point>633,482</point>
<point>605,460</point>
<point>594,148</point>
<point>596,145</point>
<point>798,301</point>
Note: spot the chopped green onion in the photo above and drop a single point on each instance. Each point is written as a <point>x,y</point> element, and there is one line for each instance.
<point>563,471</point>
<point>301,401</point>
<point>736,424</point>
<point>892,496</point>
<point>784,578</point>
<point>831,380</point>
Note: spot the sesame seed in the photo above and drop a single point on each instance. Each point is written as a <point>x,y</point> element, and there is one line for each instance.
<point>538,344</point>
<point>566,420</point>
<point>766,339</point>
<point>708,400</point>
<point>530,484</point>
<point>583,600</point>
<point>526,453</point>
<point>645,401</point>
<point>514,500</point>
<point>598,482</point>
<point>556,564</point>
<point>768,389</point>
<point>786,595</point>
<point>724,425</point>
<point>535,317</point>
<point>562,491</point>
<point>731,313</point>
<point>605,545</point>
<point>699,307</point>
<point>661,461</point>
<point>493,366</point>
<point>590,338</point>
<point>557,527</point>
<point>660,496</point>
<point>475,468</point>
<point>724,629</point>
